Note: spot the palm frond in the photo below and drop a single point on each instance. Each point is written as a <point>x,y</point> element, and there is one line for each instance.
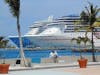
<point>14,7</point>
<point>87,10</point>
<point>91,8</point>
<point>7,1</point>
<point>78,40</point>
<point>1,38</point>
<point>97,11</point>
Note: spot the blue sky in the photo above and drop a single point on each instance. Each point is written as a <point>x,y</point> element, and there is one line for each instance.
<point>35,10</point>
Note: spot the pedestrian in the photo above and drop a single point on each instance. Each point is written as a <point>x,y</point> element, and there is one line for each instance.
<point>54,56</point>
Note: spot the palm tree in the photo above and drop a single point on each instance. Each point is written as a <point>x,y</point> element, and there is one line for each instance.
<point>91,13</point>
<point>86,40</point>
<point>15,10</point>
<point>3,42</point>
<point>78,41</point>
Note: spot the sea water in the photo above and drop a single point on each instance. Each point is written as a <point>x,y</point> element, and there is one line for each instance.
<point>36,55</point>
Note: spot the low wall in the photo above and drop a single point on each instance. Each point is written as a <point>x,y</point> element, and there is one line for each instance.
<point>12,61</point>
<point>68,59</point>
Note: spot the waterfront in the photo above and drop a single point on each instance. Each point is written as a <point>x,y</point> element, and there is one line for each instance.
<point>36,55</point>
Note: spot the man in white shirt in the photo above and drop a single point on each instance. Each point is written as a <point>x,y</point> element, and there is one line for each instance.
<point>54,56</point>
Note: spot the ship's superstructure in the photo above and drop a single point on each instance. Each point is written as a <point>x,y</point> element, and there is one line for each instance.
<point>55,33</point>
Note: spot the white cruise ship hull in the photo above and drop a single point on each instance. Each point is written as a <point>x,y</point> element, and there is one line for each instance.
<point>63,40</point>
<point>50,41</point>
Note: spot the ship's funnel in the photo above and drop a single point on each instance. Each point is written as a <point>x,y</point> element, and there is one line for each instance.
<point>50,18</point>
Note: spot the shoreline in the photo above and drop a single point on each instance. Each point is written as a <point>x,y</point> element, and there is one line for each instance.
<point>36,49</point>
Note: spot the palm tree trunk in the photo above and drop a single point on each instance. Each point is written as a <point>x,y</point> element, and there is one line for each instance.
<point>23,62</point>
<point>93,50</point>
<point>80,53</point>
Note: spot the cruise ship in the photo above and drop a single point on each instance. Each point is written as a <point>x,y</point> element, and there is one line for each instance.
<point>56,33</point>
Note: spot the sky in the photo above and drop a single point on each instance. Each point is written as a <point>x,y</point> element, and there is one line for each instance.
<point>36,10</point>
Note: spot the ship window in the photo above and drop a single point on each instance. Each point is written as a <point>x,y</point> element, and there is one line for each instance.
<point>97,29</point>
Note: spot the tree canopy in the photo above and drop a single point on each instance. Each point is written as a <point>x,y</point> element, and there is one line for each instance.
<point>3,42</point>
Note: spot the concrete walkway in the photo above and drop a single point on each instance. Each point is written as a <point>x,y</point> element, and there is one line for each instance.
<point>90,70</point>
<point>56,69</point>
<point>40,72</point>
<point>93,70</point>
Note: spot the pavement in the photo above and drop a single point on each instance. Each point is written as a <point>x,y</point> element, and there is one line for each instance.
<point>41,72</point>
<point>93,70</point>
<point>56,69</point>
<point>90,70</point>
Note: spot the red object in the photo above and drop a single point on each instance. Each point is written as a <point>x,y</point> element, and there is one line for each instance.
<point>4,68</point>
<point>82,63</point>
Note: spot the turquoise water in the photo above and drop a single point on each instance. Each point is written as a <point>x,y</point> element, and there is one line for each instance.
<point>36,55</point>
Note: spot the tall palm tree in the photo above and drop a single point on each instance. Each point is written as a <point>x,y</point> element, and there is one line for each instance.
<point>15,10</point>
<point>92,12</point>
